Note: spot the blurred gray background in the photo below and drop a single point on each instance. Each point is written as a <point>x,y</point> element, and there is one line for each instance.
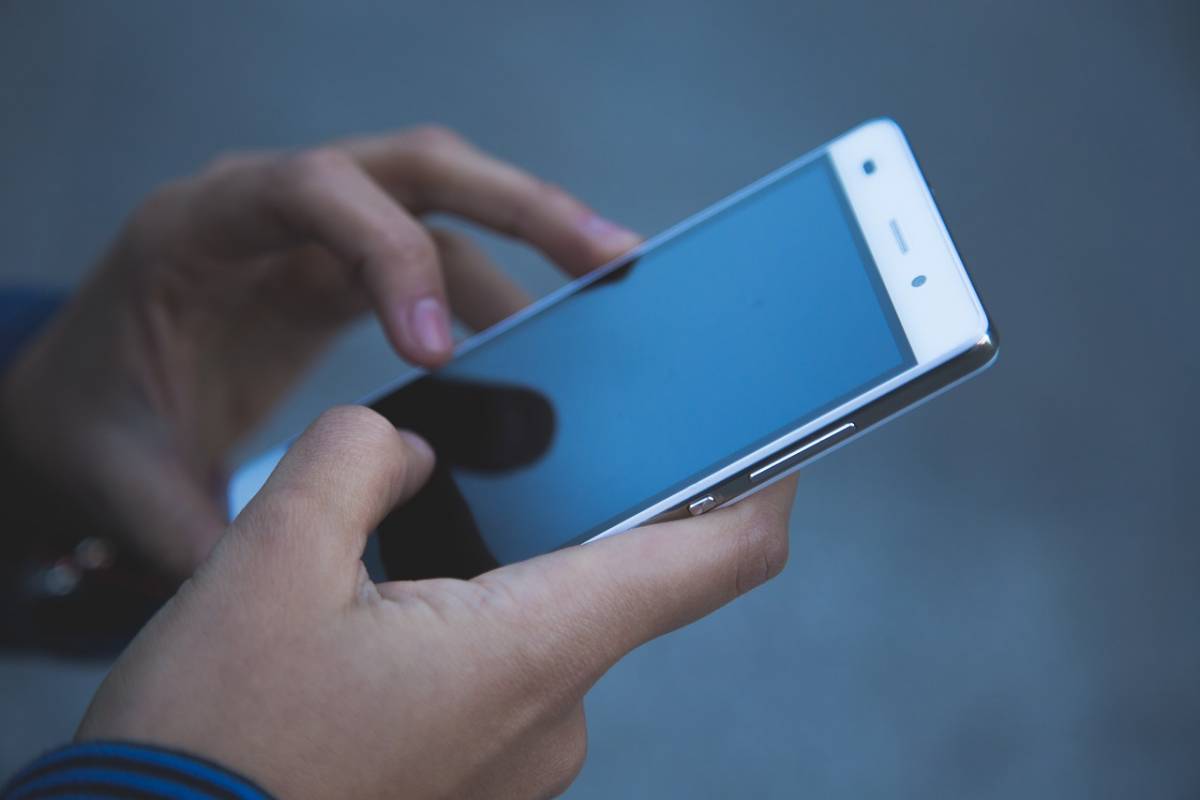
<point>996,596</point>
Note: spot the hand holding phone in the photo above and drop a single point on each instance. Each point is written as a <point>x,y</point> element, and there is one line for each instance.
<point>283,661</point>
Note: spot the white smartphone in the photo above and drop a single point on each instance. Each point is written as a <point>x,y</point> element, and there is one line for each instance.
<point>716,358</point>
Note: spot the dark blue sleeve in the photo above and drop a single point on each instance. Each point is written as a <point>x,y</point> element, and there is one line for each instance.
<point>125,770</point>
<point>22,313</point>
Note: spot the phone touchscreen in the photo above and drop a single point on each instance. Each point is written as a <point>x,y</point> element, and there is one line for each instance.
<point>701,349</point>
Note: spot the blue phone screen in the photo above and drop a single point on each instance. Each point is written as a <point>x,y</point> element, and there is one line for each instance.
<point>704,348</point>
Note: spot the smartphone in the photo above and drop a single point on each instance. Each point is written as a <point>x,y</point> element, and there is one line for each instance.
<point>723,354</point>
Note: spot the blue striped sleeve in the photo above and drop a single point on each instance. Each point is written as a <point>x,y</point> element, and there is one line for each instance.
<point>127,770</point>
<point>23,312</point>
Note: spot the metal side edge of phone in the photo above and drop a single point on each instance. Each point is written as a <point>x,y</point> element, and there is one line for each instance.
<point>788,459</point>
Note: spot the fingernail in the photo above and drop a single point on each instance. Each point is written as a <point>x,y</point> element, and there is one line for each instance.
<point>608,233</point>
<point>431,325</point>
<point>417,443</point>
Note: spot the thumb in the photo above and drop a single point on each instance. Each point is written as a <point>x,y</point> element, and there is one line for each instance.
<point>590,605</point>
<point>333,487</point>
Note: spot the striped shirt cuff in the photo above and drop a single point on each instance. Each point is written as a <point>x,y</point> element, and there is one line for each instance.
<point>125,770</point>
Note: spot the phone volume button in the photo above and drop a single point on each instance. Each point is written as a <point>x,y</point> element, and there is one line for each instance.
<point>802,453</point>
<point>698,507</point>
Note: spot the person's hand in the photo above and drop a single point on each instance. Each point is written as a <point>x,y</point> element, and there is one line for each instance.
<point>281,660</point>
<point>223,287</point>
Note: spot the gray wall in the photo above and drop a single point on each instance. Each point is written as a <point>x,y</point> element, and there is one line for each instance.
<point>998,595</point>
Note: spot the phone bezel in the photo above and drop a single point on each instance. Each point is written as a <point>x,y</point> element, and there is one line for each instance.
<point>907,237</point>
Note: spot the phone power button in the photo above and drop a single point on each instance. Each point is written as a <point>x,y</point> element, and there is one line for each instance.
<point>697,507</point>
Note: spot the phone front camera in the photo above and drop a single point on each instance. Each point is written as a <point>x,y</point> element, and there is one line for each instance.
<point>868,166</point>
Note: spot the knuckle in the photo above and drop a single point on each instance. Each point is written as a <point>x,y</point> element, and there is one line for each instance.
<point>495,595</point>
<point>577,742</point>
<point>366,439</point>
<point>349,415</point>
<point>761,549</point>
<point>312,167</point>
<point>551,192</point>
<point>357,424</point>
<point>435,138</point>
<point>233,161</point>
<point>150,220</point>
<point>533,200</point>
<point>449,600</point>
<point>543,192</point>
<point>445,241</point>
<point>412,247</point>
<point>570,756</point>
